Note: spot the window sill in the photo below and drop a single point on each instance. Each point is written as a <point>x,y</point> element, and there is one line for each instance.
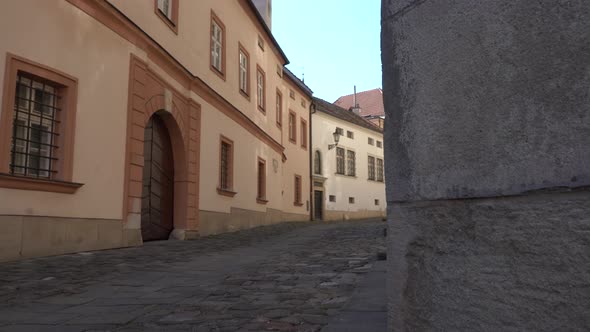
<point>171,24</point>
<point>26,183</point>
<point>226,192</point>
<point>245,94</point>
<point>292,141</point>
<point>217,72</point>
<point>297,204</point>
<point>261,201</point>
<point>345,175</point>
<point>261,109</point>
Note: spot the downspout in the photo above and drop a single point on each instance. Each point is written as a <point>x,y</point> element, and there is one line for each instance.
<point>311,200</point>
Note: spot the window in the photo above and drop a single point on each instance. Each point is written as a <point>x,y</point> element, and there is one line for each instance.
<point>350,200</point>
<point>292,127</point>
<point>371,168</point>
<point>349,134</point>
<point>303,103</point>
<point>167,10</point>
<point>37,127</point>
<point>380,170</point>
<point>376,202</point>
<point>292,94</point>
<point>217,46</point>
<point>339,161</point>
<point>261,192</point>
<point>226,160</point>
<point>304,134</point>
<point>279,109</point>
<point>350,163</point>
<point>298,198</point>
<point>260,42</point>
<point>244,71</point>
<point>34,128</point>
<point>340,131</point>
<point>317,163</point>
<point>332,198</point>
<point>379,144</point>
<point>261,94</point>
<point>371,141</point>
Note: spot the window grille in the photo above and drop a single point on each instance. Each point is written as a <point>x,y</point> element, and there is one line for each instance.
<point>317,163</point>
<point>297,189</point>
<point>339,160</point>
<point>371,141</point>
<point>34,128</point>
<point>261,179</point>
<point>379,144</point>
<point>225,177</point>
<point>371,168</point>
<point>351,163</point>
<point>380,170</point>
<point>332,198</point>
<point>349,134</point>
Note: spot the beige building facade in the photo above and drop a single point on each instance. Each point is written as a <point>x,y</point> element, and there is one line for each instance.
<point>123,122</point>
<point>348,175</point>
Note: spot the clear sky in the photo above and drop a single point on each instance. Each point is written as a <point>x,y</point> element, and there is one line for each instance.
<point>336,43</point>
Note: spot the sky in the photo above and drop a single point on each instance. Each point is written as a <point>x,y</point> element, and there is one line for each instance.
<point>336,43</point>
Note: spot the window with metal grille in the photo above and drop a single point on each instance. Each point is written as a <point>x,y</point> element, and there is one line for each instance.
<point>34,128</point>
<point>371,141</point>
<point>298,190</point>
<point>379,144</point>
<point>244,72</point>
<point>332,198</point>
<point>216,45</point>
<point>351,163</point>
<point>351,200</point>
<point>261,179</point>
<point>371,168</point>
<point>317,163</point>
<point>225,168</point>
<point>349,134</point>
<point>380,170</point>
<point>339,160</point>
<point>165,6</point>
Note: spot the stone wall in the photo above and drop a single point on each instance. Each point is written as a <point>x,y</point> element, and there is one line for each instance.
<point>487,147</point>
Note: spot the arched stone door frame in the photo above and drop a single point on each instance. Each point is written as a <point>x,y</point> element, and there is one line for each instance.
<point>150,94</point>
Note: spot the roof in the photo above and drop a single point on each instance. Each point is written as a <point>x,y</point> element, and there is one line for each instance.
<point>344,114</point>
<point>299,83</point>
<point>267,30</point>
<point>370,102</point>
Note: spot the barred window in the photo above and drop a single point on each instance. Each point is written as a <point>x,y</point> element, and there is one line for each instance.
<point>379,144</point>
<point>34,128</point>
<point>349,134</point>
<point>298,198</point>
<point>371,168</point>
<point>380,170</point>
<point>351,163</point>
<point>339,160</point>
<point>261,179</point>
<point>371,141</point>
<point>226,165</point>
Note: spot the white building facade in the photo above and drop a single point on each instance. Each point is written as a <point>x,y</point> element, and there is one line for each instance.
<point>347,177</point>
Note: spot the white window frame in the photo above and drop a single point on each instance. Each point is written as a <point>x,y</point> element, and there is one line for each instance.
<point>216,46</point>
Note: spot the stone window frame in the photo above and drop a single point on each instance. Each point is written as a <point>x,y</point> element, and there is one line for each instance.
<point>67,87</point>
<point>215,20</point>
<point>298,185</point>
<point>292,127</point>
<point>303,133</point>
<point>244,92</point>
<point>261,181</point>
<point>260,89</point>
<point>229,189</point>
<point>171,22</point>
<point>279,109</point>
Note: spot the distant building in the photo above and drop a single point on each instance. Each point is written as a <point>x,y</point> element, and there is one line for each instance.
<point>369,105</point>
<point>348,177</point>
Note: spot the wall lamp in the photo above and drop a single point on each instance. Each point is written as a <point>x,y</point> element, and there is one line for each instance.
<point>336,135</point>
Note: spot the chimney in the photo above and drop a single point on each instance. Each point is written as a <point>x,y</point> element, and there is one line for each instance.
<point>355,108</point>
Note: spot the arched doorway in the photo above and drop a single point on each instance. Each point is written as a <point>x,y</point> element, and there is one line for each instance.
<point>157,202</point>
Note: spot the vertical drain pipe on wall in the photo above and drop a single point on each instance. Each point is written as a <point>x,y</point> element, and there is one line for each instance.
<point>310,131</point>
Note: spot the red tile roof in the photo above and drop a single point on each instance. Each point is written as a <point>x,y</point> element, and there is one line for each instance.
<point>370,102</point>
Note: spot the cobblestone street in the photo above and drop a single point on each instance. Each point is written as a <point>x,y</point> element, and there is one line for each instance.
<point>287,277</point>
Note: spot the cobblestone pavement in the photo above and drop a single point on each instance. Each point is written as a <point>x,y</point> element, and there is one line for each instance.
<point>286,277</point>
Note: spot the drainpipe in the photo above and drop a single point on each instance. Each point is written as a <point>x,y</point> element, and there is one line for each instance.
<point>311,200</point>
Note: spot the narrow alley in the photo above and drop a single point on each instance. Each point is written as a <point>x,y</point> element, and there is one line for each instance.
<point>286,277</point>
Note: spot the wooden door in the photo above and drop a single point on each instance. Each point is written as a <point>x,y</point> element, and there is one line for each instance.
<point>157,204</point>
<point>318,204</point>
